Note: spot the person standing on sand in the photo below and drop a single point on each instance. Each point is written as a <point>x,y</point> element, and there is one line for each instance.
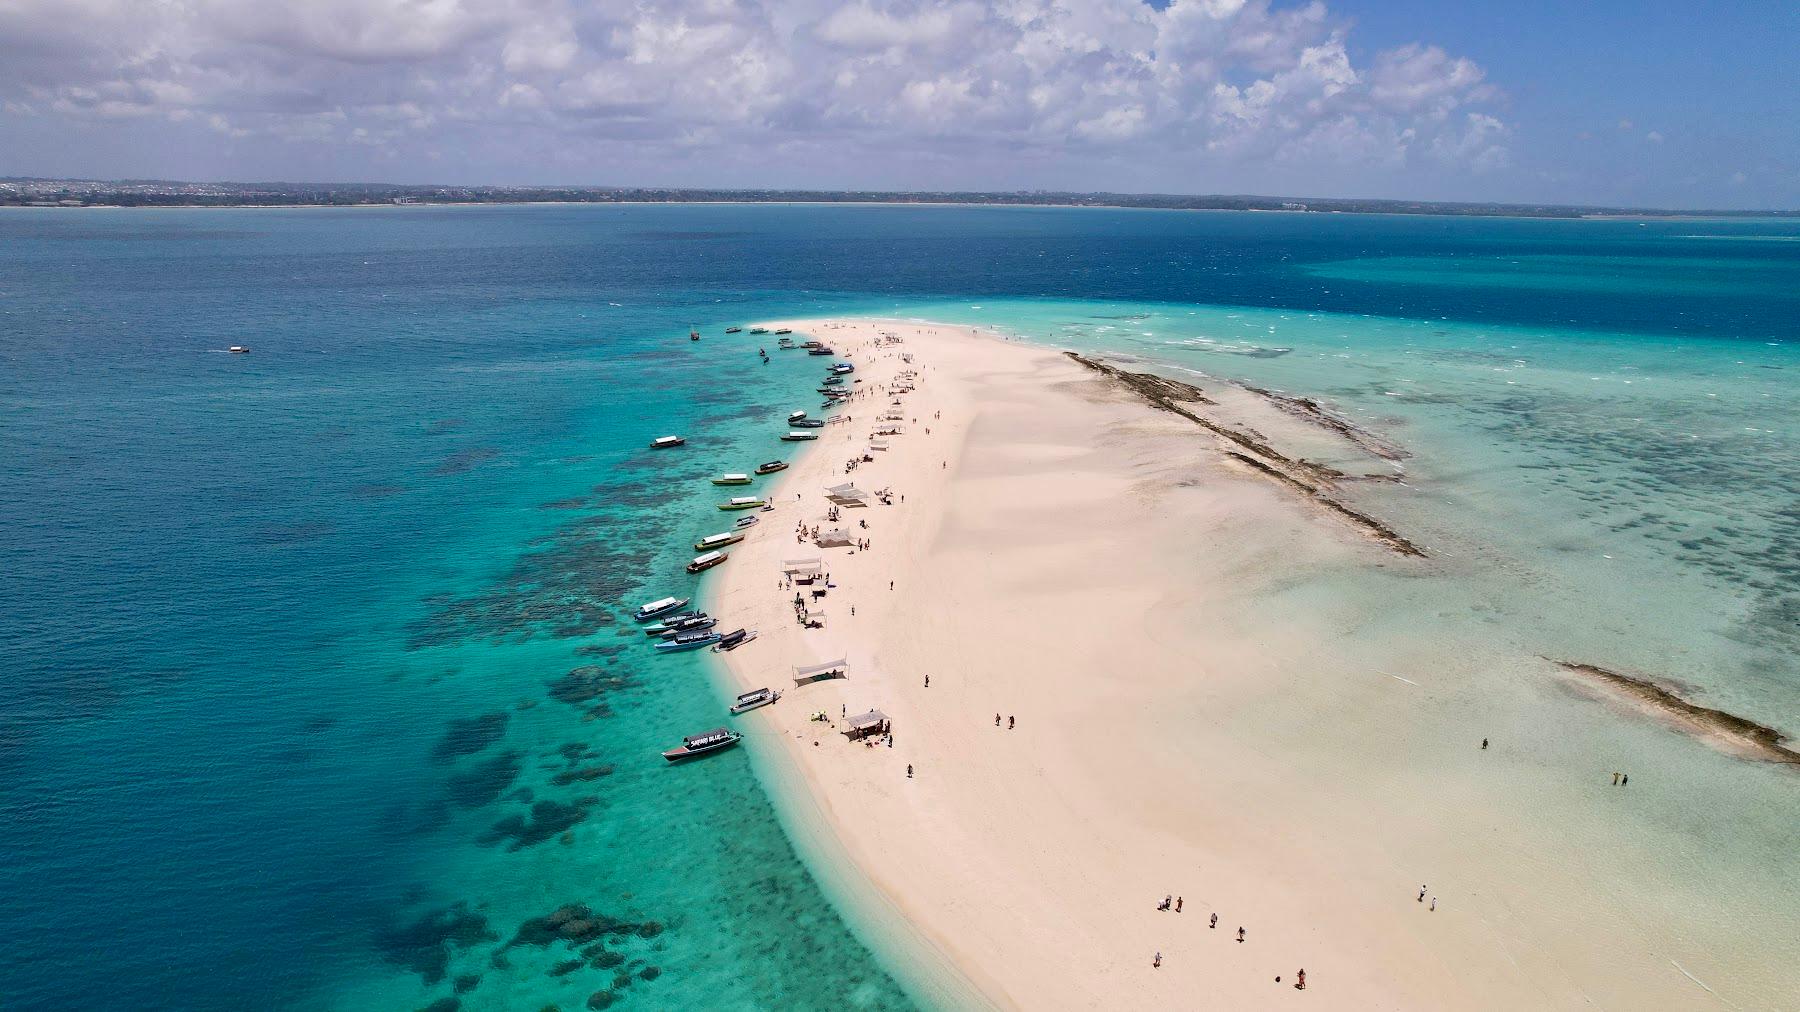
<point>909,775</point>
<point>1215,921</point>
<point>928,681</point>
<point>1624,779</point>
<point>1615,779</point>
<point>1434,903</point>
<point>1484,744</point>
<point>1157,962</point>
<point>1009,723</point>
<point>996,720</point>
<point>1240,932</point>
<point>1178,904</point>
<point>1300,980</point>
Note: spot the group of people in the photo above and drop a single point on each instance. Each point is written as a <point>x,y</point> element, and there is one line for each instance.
<point>1010,723</point>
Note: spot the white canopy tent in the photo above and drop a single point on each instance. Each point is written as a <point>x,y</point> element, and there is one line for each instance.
<point>839,668</point>
<point>803,567</point>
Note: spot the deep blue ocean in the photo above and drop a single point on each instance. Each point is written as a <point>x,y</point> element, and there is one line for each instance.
<point>317,685</point>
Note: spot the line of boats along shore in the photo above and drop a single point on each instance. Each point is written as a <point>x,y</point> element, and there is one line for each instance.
<point>668,619</point>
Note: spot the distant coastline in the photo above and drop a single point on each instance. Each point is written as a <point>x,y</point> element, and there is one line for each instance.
<point>71,193</point>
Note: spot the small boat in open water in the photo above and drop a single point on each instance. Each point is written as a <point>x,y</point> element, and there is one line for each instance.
<point>753,699</point>
<point>688,641</point>
<point>786,344</point>
<point>716,740</point>
<point>759,330</point>
<point>702,563</point>
<point>667,442</point>
<point>794,416</point>
<point>732,479</point>
<point>659,607</point>
<point>770,467</point>
<point>734,330</point>
<point>741,502</point>
<point>239,349</point>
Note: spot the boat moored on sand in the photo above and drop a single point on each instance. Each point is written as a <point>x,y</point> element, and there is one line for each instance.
<point>771,466</point>
<point>702,563</point>
<point>753,699</point>
<point>716,541</point>
<point>716,740</point>
<point>744,522</point>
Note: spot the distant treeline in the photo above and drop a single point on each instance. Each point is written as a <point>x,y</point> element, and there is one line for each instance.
<point>154,193</point>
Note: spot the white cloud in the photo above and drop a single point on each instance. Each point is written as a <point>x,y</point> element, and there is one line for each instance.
<point>1199,84</point>
<point>1654,137</point>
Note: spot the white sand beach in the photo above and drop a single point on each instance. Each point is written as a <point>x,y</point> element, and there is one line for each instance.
<point>1068,558</point>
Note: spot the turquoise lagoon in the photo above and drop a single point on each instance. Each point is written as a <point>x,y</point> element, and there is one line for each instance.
<point>317,689</point>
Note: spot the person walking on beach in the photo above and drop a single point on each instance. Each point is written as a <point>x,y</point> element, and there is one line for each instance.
<point>1300,980</point>
<point>928,681</point>
<point>1240,932</point>
<point>1156,964</point>
<point>1484,744</point>
<point>1421,894</point>
<point>1178,904</point>
<point>1215,921</point>
<point>996,720</point>
<point>1615,779</point>
<point>909,775</point>
<point>1009,723</point>
<point>1434,903</point>
<point>1167,901</point>
<point>1624,779</point>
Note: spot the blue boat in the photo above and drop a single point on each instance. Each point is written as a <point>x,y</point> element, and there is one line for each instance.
<point>689,641</point>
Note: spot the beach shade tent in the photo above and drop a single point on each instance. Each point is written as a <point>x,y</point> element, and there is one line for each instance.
<point>865,725</point>
<point>839,668</point>
<point>878,444</point>
<point>803,567</point>
<point>847,495</point>
<point>835,538</point>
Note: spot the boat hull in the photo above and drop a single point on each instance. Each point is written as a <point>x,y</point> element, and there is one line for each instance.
<point>684,753</point>
<point>678,646</point>
<point>731,506</point>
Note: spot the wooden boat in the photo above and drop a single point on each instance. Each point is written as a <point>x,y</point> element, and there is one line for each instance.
<point>785,330</point>
<point>667,442</point>
<point>702,563</point>
<point>832,381</point>
<point>716,740</point>
<point>732,479</point>
<point>751,700</point>
<point>691,627</point>
<point>687,641</point>
<point>820,350</point>
<point>759,330</point>
<point>662,606</point>
<point>672,622</point>
<point>730,639</point>
<point>810,423</point>
<point>771,466</point>
<point>786,344</point>
<point>742,502</point>
<point>239,349</point>
<point>794,416</point>
<point>796,437</point>
<point>842,367</point>
<point>744,522</point>
<point>716,541</point>
<point>734,330</point>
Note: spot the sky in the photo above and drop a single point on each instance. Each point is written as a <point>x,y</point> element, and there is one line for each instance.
<point>1665,103</point>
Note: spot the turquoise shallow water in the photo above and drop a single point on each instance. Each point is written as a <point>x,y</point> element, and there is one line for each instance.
<point>315,691</point>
